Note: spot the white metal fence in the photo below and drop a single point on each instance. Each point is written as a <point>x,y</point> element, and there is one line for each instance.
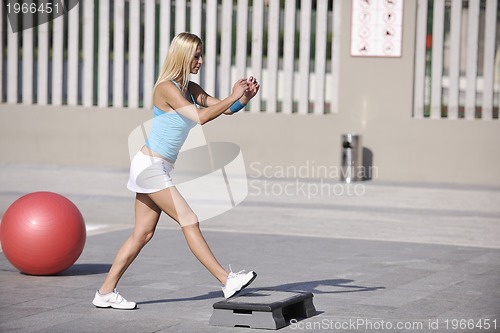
<point>108,53</point>
<point>457,68</point>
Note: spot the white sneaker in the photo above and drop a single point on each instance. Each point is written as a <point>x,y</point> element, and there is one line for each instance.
<point>112,300</point>
<point>237,281</point>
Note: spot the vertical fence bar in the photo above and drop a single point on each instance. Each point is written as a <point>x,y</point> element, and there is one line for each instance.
<point>12,63</point>
<point>180,16</point>
<point>1,53</point>
<point>118,52</point>
<point>419,83</point>
<point>454,86</point>
<point>289,56</point>
<point>272,56</point>
<point>73,54</point>
<point>165,14</point>
<point>226,47</point>
<point>196,19</point>
<point>241,38</point>
<point>304,56</point>
<point>437,58</point>
<point>335,61</point>
<point>211,47</point>
<point>27,79</point>
<point>103,54</point>
<point>489,59</point>
<point>149,51</point>
<point>472,46</point>
<point>257,42</point>
<point>57,61</point>
<point>43,62</point>
<point>320,56</point>
<point>196,9</point>
<point>134,53</point>
<point>88,53</point>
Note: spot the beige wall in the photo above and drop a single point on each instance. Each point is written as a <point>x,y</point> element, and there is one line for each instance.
<point>375,101</point>
<point>67,135</point>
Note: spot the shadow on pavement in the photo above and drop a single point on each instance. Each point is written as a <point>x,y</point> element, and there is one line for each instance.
<point>337,286</point>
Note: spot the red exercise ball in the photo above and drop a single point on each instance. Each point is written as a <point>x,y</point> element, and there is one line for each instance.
<point>42,233</point>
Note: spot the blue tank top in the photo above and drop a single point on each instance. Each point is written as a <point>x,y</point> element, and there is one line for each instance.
<point>169,131</point>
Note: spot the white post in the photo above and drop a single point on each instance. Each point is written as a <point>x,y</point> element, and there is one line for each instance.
<point>134,53</point>
<point>289,56</point>
<point>305,44</point>
<point>1,54</point>
<point>257,40</point>
<point>165,14</point>
<point>196,10</point>
<point>43,63</point>
<point>471,72</point>
<point>454,87</point>
<point>88,53</point>
<point>103,56</point>
<point>211,47</point>
<point>241,38</point>
<point>226,48</point>
<point>73,54</point>
<point>12,63</point>
<point>337,21</point>
<point>57,60</point>
<point>272,56</point>
<point>118,52</point>
<point>196,19</point>
<point>437,58</point>
<point>420,41</point>
<point>320,56</point>
<point>489,59</point>
<point>180,16</point>
<point>149,51</point>
<point>27,66</point>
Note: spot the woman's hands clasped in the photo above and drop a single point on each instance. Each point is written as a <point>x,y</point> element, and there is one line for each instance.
<point>246,89</point>
<point>251,91</point>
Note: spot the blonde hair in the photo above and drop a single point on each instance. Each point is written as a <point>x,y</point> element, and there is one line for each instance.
<point>177,65</point>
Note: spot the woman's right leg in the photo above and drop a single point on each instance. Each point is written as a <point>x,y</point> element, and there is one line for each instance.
<point>147,214</point>
<point>174,205</point>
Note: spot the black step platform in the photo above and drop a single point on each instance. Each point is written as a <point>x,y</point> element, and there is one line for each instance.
<point>265,309</point>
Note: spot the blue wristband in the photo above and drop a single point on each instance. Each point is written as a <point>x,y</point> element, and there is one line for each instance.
<point>237,106</point>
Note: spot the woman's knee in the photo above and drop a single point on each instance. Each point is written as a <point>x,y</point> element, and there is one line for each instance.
<point>142,238</point>
<point>188,219</point>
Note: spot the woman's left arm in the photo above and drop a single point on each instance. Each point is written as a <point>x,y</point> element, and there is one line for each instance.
<point>201,96</point>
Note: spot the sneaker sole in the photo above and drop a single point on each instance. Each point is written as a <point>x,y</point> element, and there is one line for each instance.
<point>244,286</point>
<point>112,307</point>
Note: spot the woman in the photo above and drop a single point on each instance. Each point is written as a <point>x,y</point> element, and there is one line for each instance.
<point>175,104</point>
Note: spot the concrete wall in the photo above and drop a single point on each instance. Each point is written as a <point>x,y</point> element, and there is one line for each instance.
<point>376,97</point>
<point>67,135</point>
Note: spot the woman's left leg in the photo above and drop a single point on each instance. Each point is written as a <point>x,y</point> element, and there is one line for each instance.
<point>174,205</point>
<point>202,252</point>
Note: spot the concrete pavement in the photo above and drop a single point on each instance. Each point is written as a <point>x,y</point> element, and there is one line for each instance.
<point>378,257</point>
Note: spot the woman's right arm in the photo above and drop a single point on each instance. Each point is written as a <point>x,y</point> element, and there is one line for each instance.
<point>171,95</point>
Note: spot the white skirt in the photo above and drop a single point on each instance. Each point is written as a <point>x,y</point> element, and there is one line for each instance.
<point>149,174</point>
